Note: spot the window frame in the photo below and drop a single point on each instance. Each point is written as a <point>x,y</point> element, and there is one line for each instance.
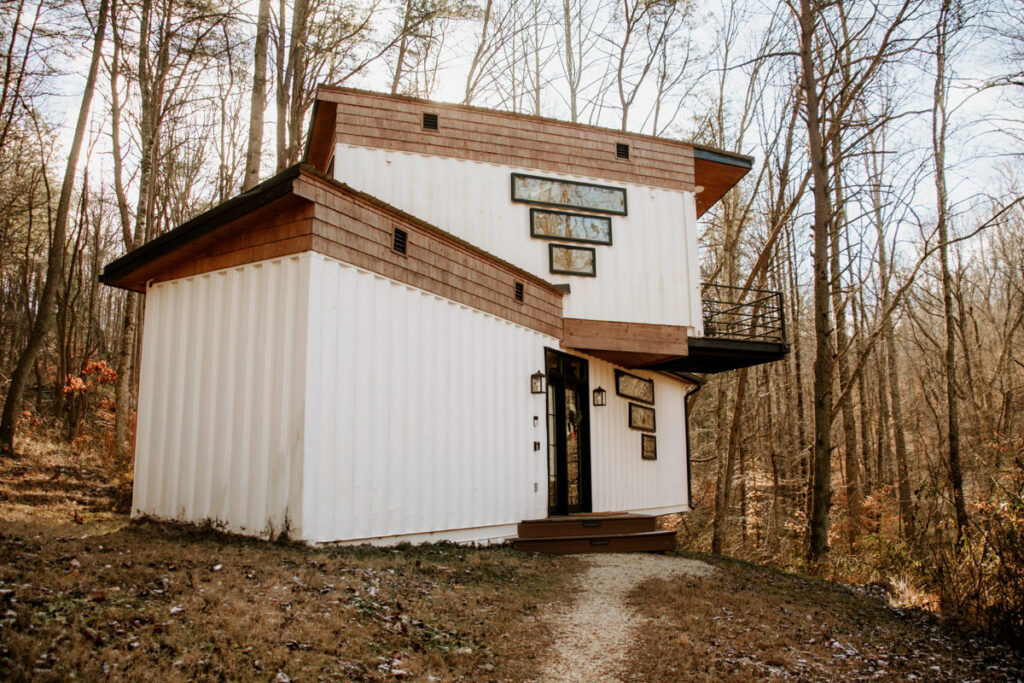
<point>625,195</point>
<point>653,440</point>
<point>580,240</point>
<point>573,247</point>
<point>619,374</point>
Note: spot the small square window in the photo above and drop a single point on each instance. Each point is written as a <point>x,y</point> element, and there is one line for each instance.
<point>622,150</point>
<point>429,121</point>
<point>519,292</point>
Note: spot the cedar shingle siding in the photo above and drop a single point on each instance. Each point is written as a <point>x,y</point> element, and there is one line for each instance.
<point>388,122</point>
<point>319,214</point>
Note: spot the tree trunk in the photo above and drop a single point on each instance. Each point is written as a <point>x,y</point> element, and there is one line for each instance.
<point>821,469</point>
<point>258,102</point>
<point>723,490</point>
<point>55,265</point>
<point>850,448</point>
<point>939,148</point>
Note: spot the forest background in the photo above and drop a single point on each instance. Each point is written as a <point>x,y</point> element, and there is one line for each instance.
<point>885,203</point>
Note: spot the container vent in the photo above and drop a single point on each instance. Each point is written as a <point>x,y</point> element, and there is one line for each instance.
<point>429,121</point>
<point>519,291</point>
<point>622,150</point>
<point>398,244</point>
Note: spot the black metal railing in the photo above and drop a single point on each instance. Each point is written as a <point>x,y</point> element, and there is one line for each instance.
<point>743,314</point>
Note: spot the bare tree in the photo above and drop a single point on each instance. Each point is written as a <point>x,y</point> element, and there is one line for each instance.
<point>258,102</point>
<point>55,266</point>
<point>939,133</point>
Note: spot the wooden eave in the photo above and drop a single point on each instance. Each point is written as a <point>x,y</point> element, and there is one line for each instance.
<point>194,238</point>
<point>138,266</point>
<point>717,172</point>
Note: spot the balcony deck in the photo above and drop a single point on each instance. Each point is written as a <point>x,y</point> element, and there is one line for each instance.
<point>742,328</point>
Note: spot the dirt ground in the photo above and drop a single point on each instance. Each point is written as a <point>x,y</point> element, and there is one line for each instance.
<point>85,593</point>
<point>165,602</point>
<point>746,622</point>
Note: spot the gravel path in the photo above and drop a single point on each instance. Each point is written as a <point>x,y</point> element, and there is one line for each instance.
<point>595,633</point>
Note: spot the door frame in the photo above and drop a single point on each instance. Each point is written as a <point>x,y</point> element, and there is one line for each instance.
<point>557,381</point>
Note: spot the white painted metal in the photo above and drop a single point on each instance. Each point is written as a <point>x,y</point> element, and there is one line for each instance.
<point>621,480</point>
<point>220,423</point>
<point>648,275</point>
<point>420,416</point>
<point>307,394</point>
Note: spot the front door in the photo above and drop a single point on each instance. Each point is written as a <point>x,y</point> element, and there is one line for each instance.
<point>568,433</point>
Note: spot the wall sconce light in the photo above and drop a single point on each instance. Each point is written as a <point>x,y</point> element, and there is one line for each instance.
<point>600,397</point>
<point>537,384</point>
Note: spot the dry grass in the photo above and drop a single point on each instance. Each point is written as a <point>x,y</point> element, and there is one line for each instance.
<point>747,622</point>
<point>57,481</point>
<point>178,603</point>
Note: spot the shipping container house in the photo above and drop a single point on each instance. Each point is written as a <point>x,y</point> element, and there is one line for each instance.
<point>445,321</point>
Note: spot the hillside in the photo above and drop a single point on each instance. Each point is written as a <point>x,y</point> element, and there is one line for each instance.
<point>126,600</point>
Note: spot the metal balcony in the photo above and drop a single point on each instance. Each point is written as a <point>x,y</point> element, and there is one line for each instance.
<point>742,328</point>
<point>743,314</point>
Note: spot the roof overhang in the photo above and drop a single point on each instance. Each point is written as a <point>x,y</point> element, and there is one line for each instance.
<point>717,172</point>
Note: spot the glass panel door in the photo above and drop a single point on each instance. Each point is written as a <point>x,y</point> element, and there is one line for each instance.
<point>568,434</point>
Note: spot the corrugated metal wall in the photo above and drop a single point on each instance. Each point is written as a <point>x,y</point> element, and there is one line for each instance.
<point>220,423</point>
<point>621,479</point>
<point>420,413</point>
<point>648,274</point>
<point>307,392</point>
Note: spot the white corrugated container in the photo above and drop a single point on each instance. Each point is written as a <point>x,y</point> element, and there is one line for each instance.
<point>648,274</point>
<point>307,394</point>
<point>221,398</point>
<point>420,417</point>
<point>621,480</point>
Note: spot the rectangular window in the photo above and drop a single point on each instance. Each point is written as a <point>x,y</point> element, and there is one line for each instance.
<point>636,388</point>
<point>568,260</point>
<point>575,227</point>
<point>641,417</point>
<point>648,447</point>
<point>550,192</point>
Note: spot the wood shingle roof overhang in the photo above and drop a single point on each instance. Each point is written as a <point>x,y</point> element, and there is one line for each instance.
<point>301,210</point>
<point>395,122</point>
<point>717,172</point>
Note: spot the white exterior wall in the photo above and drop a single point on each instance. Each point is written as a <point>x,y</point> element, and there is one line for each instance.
<point>620,479</point>
<point>221,411</point>
<point>648,274</point>
<point>307,394</point>
<point>420,414</point>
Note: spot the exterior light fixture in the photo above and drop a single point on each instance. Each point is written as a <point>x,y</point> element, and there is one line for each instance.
<point>537,384</point>
<point>600,397</point>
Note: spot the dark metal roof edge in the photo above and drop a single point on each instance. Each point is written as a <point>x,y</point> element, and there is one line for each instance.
<point>205,223</point>
<point>719,156</point>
